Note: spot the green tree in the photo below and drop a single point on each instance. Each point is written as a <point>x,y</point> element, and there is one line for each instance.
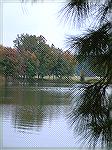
<point>58,63</point>
<point>70,62</point>
<point>7,68</point>
<point>42,53</point>
<point>26,42</point>
<point>53,57</point>
<point>31,70</point>
<point>59,68</point>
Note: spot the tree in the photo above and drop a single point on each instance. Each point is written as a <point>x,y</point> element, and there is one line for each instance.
<point>31,49</point>
<point>31,70</point>
<point>26,42</point>
<point>54,56</point>
<point>43,57</point>
<point>2,53</point>
<point>8,62</point>
<point>70,62</point>
<point>93,111</point>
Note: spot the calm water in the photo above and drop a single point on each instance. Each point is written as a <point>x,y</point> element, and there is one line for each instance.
<point>36,116</point>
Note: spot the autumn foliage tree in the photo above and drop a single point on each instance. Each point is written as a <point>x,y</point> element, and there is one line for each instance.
<point>8,61</point>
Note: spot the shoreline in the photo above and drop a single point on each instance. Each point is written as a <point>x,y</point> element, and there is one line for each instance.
<point>72,80</point>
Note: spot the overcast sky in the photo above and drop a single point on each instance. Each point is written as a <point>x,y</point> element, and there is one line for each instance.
<point>36,19</point>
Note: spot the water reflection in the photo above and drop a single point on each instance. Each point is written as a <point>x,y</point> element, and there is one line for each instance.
<point>31,110</point>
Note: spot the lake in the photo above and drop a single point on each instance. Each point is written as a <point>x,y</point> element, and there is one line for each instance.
<point>36,116</point>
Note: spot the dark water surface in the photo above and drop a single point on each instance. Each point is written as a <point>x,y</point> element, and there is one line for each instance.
<point>36,116</point>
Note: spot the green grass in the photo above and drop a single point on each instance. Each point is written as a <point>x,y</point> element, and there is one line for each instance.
<point>74,79</point>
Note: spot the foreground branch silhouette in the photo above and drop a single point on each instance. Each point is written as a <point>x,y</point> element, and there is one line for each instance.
<point>91,115</point>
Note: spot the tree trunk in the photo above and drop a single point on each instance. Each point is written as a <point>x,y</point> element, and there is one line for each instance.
<point>38,76</point>
<point>53,76</point>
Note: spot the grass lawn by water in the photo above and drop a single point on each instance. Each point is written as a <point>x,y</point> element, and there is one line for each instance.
<point>74,79</point>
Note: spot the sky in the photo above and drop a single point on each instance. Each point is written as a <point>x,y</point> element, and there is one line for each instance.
<point>35,19</point>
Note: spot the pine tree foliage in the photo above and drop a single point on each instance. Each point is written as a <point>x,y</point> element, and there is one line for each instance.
<point>91,112</point>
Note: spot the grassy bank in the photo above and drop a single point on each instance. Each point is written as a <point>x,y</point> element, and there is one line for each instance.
<point>75,79</point>
<point>47,79</point>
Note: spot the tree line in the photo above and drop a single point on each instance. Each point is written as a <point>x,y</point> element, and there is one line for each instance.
<point>32,56</point>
